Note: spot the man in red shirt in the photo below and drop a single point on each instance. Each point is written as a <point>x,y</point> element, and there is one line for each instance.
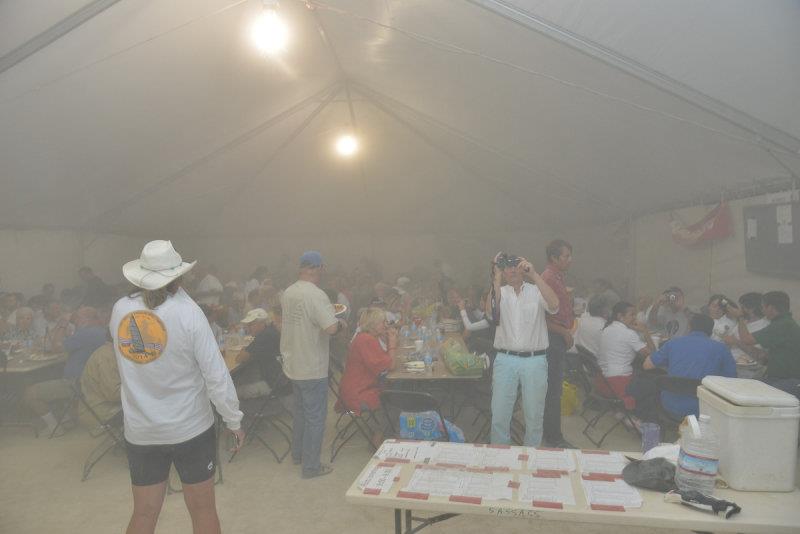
<point>559,329</point>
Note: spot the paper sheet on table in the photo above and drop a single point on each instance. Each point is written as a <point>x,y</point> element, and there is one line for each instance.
<point>489,486</point>
<point>380,478</point>
<point>441,482</point>
<point>413,451</point>
<point>616,493</point>
<point>495,457</point>
<point>611,463</point>
<point>557,489</point>
<point>550,460</point>
<point>461,482</point>
<point>469,455</point>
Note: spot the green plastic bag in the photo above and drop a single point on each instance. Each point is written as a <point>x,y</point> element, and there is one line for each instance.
<point>459,360</point>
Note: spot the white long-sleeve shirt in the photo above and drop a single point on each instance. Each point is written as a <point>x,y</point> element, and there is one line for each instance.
<point>170,367</point>
<point>469,326</point>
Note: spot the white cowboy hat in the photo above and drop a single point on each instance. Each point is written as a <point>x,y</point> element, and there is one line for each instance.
<point>158,265</point>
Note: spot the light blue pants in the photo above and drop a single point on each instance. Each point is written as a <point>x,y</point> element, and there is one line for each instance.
<point>510,371</point>
<point>308,426</point>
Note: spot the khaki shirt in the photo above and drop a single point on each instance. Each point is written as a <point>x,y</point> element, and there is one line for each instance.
<point>100,385</point>
<point>305,346</point>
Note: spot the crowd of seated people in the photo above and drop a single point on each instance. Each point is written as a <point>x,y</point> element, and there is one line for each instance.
<point>753,336</point>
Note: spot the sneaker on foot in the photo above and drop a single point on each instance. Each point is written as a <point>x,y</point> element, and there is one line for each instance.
<point>322,471</point>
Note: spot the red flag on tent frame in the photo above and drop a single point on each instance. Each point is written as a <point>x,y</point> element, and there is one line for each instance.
<point>716,225</point>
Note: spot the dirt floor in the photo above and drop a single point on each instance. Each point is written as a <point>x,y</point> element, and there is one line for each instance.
<point>41,491</point>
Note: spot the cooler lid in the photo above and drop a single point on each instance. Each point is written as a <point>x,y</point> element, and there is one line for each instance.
<point>748,392</point>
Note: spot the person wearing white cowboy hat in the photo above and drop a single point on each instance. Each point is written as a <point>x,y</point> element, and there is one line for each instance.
<point>170,367</point>
<point>158,265</point>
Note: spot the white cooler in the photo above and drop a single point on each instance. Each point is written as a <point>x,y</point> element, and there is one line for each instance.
<point>757,427</point>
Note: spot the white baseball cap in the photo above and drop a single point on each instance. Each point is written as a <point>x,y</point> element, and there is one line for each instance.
<point>256,314</point>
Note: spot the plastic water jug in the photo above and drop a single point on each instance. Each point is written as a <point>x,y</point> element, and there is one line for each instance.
<point>698,459</point>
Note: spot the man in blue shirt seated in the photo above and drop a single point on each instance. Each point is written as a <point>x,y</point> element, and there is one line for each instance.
<point>89,336</point>
<point>694,355</point>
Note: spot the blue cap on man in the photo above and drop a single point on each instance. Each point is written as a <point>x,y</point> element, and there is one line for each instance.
<point>311,258</point>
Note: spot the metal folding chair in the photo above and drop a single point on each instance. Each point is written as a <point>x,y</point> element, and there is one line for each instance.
<point>111,429</point>
<point>66,407</point>
<point>268,413</point>
<point>603,403</point>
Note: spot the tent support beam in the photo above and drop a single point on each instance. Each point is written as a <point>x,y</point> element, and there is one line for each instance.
<point>373,94</point>
<point>756,127</point>
<point>247,182</point>
<point>54,33</point>
<point>476,175</point>
<point>207,158</point>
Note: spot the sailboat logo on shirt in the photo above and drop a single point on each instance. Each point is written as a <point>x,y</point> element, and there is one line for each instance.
<point>141,337</point>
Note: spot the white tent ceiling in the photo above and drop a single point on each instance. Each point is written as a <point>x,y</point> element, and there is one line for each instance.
<point>472,113</point>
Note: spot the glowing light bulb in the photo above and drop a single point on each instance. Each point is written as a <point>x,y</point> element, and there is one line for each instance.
<point>346,145</point>
<point>269,33</point>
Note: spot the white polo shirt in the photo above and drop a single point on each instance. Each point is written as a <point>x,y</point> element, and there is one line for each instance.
<point>522,325</point>
<point>170,368</point>
<point>618,347</point>
<point>589,332</point>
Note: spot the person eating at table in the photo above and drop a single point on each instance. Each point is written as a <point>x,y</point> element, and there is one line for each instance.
<point>518,308</point>
<point>620,343</point>
<point>89,336</point>
<point>695,355</point>
<point>46,320</point>
<point>264,351</point>
<point>367,361</point>
<point>747,366</point>
<point>22,332</point>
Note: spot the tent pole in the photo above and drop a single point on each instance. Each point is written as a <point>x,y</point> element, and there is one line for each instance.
<point>247,182</point>
<point>476,175</point>
<point>730,114</point>
<point>53,33</point>
<point>207,158</point>
<point>375,95</point>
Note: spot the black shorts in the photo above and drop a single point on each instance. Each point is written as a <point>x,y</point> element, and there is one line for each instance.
<point>195,460</point>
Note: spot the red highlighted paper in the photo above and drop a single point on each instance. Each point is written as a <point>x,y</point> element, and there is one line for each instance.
<point>412,495</point>
<point>547,504</point>
<point>465,500</point>
<point>608,507</point>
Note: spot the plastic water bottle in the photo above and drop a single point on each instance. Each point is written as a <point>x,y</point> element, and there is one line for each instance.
<point>651,436</point>
<point>698,460</point>
<point>428,359</point>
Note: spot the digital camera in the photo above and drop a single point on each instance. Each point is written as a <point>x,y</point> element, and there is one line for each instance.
<point>507,260</point>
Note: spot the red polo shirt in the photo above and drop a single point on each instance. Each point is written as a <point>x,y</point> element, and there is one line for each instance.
<point>555,279</point>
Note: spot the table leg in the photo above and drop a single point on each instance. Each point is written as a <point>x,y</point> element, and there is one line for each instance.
<point>398,521</point>
<point>409,526</point>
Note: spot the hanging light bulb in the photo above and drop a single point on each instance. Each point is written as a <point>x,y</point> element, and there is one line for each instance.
<point>269,32</point>
<point>347,145</point>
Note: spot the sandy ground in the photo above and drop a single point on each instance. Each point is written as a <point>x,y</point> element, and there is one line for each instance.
<point>41,492</point>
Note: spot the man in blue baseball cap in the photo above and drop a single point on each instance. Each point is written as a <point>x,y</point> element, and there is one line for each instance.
<point>307,324</point>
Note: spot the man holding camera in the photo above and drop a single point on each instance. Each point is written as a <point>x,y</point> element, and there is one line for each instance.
<point>519,308</point>
<point>670,314</point>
